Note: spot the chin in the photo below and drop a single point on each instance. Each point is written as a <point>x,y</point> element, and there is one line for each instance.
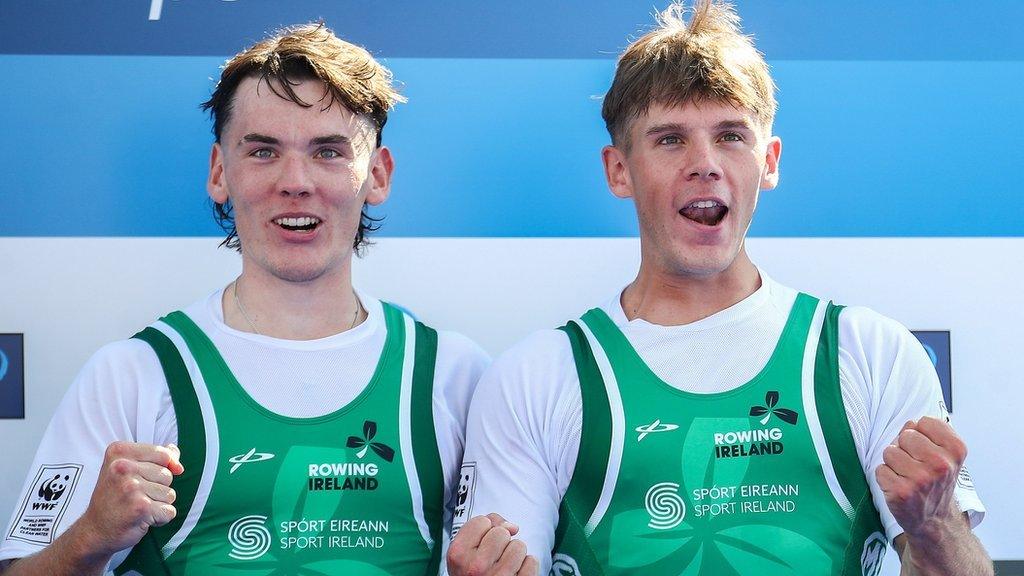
<point>299,273</point>
<point>703,264</point>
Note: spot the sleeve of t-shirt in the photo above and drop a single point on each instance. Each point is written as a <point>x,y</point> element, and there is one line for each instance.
<point>887,379</point>
<point>522,440</point>
<point>460,362</point>
<point>120,394</point>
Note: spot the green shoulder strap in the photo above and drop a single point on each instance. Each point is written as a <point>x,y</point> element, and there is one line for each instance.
<point>146,557</point>
<point>424,438</point>
<point>583,492</point>
<point>838,436</point>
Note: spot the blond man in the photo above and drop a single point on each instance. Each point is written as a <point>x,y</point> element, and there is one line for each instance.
<point>286,423</point>
<point>707,420</point>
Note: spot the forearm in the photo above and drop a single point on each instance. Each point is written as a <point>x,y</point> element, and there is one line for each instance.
<point>947,550</point>
<point>69,555</point>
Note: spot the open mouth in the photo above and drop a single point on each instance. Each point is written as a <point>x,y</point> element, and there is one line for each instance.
<point>303,224</point>
<point>706,212</point>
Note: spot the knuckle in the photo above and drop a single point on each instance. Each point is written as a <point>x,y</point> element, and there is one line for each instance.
<point>116,449</point>
<point>905,493</point>
<point>517,546</point>
<point>164,455</point>
<point>959,450</point>
<point>480,521</point>
<point>139,507</point>
<point>122,466</point>
<point>478,567</point>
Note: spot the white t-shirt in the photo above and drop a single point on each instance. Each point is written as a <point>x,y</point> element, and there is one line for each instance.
<point>526,417</point>
<point>121,394</point>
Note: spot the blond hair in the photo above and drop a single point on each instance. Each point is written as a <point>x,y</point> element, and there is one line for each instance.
<point>707,58</point>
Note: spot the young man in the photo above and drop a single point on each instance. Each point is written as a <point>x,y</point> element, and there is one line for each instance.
<point>286,423</point>
<point>707,420</point>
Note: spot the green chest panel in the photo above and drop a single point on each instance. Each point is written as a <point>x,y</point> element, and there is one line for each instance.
<point>709,484</point>
<point>356,491</point>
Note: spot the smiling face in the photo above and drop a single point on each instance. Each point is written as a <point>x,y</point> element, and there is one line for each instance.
<point>694,173</point>
<point>297,178</point>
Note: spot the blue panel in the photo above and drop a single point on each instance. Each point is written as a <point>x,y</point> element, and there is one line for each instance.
<point>116,146</point>
<point>786,29</point>
<point>936,344</point>
<point>12,376</point>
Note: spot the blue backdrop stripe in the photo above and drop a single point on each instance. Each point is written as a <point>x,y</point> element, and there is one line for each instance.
<point>116,146</point>
<point>785,29</point>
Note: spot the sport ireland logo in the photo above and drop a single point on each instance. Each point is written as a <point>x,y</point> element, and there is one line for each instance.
<point>874,552</point>
<point>655,426</point>
<point>563,565</point>
<point>249,538</point>
<point>665,506</point>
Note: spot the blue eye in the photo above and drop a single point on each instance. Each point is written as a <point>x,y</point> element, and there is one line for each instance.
<point>671,140</point>
<point>262,153</point>
<point>328,153</point>
<point>732,137</point>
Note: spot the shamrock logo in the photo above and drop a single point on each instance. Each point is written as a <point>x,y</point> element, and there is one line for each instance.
<point>364,443</point>
<point>771,399</point>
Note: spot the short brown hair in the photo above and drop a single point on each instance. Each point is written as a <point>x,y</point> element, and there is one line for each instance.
<point>290,55</point>
<point>708,58</point>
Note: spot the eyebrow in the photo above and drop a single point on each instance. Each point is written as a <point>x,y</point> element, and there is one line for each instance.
<point>330,139</point>
<point>254,137</point>
<point>676,127</point>
<point>319,140</point>
<point>734,125</point>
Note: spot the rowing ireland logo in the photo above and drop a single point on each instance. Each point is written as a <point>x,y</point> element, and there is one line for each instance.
<point>771,399</point>
<point>365,443</point>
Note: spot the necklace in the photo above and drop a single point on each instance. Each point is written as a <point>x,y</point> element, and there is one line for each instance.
<point>238,304</point>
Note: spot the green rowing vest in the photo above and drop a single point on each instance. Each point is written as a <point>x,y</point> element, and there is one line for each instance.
<point>760,479</point>
<point>358,491</point>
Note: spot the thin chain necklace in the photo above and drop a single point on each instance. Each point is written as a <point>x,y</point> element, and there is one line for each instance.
<point>238,304</point>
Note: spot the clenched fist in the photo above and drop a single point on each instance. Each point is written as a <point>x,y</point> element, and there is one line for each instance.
<point>919,473</point>
<point>133,492</point>
<point>484,547</point>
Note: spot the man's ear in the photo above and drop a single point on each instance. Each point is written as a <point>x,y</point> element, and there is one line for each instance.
<point>216,187</point>
<point>772,156</point>
<point>616,172</point>
<point>382,167</point>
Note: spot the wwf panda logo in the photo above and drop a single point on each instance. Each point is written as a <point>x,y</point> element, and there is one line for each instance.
<point>54,488</point>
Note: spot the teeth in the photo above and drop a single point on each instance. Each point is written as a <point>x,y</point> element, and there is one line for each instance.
<point>704,204</point>
<point>297,222</point>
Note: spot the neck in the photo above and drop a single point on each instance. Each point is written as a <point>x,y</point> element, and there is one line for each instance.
<point>669,299</point>
<point>288,310</point>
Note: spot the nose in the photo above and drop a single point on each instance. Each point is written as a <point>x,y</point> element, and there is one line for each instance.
<point>294,178</point>
<point>702,162</point>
